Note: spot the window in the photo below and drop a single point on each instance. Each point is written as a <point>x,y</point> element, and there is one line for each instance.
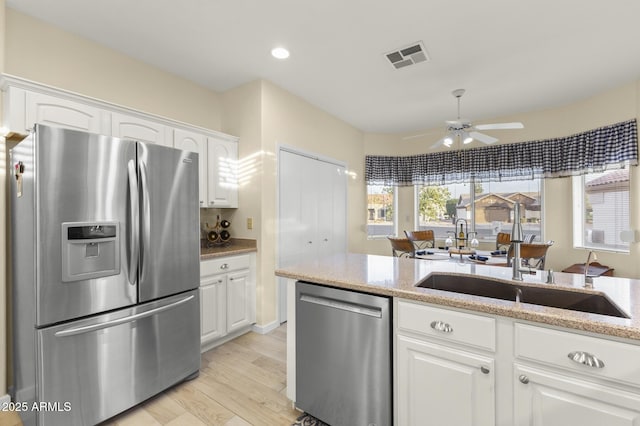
<point>488,209</point>
<point>601,210</point>
<point>436,207</point>
<point>380,211</point>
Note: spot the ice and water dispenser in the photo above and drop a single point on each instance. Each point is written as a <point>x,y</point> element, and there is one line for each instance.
<point>90,250</point>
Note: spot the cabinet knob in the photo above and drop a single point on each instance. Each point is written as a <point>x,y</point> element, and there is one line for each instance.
<point>441,326</point>
<point>219,281</point>
<point>211,202</point>
<point>326,239</point>
<point>224,266</point>
<point>585,358</point>
<point>309,242</point>
<point>523,379</point>
<point>201,202</point>
<point>485,370</point>
<point>231,278</point>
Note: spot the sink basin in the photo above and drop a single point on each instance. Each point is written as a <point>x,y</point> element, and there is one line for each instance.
<point>564,299</point>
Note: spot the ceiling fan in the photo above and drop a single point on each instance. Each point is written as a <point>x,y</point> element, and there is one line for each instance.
<point>465,131</point>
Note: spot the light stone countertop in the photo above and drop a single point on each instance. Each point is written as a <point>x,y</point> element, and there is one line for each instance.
<point>235,246</point>
<point>397,277</point>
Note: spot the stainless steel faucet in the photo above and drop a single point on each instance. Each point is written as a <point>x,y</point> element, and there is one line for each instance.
<point>588,280</point>
<point>517,236</point>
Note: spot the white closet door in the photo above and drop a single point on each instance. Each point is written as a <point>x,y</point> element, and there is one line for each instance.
<point>312,212</point>
<point>331,207</point>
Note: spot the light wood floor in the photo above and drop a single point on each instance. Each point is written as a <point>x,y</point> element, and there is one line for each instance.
<point>241,383</point>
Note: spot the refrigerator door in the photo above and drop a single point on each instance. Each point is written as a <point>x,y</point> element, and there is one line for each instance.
<point>92,369</point>
<point>85,198</point>
<point>169,221</point>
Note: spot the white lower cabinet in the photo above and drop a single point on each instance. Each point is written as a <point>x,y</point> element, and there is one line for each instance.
<point>548,398</point>
<point>240,300</point>
<point>213,299</point>
<point>444,366</point>
<point>457,367</point>
<point>227,298</point>
<point>438,385</point>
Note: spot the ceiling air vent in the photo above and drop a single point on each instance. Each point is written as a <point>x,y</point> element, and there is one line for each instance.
<point>408,55</point>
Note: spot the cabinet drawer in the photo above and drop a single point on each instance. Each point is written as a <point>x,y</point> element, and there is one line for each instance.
<point>454,326</point>
<point>619,361</point>
<point>224,264</point>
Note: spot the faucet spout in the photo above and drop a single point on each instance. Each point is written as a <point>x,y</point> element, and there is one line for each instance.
<point>517,237</point>
<point>588,280</point>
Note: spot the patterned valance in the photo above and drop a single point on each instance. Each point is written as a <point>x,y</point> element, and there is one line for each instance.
<point>609,147</point>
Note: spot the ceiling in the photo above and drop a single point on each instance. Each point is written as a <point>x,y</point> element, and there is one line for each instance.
<point>511,56</point>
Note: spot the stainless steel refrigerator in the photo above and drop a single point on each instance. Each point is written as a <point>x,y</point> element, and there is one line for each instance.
<point>105,266</point>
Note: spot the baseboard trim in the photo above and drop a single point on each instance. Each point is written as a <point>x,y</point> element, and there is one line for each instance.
<point>264,329</point>
<point>5,399</point>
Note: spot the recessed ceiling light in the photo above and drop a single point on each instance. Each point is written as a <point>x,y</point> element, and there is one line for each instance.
<point>280,53</point>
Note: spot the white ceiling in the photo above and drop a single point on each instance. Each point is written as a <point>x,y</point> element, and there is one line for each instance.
<point>511,56</point>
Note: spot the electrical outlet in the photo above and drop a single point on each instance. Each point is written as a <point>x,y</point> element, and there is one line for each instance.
<point>249,223</point>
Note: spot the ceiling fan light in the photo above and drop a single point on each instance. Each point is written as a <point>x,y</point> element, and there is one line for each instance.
<point>448,141</point>
<point>466,138</point>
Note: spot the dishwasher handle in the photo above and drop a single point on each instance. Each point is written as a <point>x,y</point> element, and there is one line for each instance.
<point>372,311</point>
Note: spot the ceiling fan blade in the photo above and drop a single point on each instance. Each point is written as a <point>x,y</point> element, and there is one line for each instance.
<point>405,138</point>
<point>483,138</point>
<point>500,126</point>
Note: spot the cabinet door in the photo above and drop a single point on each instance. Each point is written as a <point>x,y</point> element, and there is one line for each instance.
<point>212,308</point>
<point>550,399</point>
<point>240,300</point>
<point>195,142</point>
<point>222,182</point>
<point>127,127</point>
<point>438,385</point>
<point>45,109</point>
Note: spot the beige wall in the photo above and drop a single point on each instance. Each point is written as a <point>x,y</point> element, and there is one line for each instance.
<point>40,52</point>
<point>265,116</point>
<point>615,105</point>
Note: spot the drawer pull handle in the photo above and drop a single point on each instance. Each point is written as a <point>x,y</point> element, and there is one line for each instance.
<point>485,370</point>
<point>523,379</point>
<point>441,326</point>
<point>585,358</point>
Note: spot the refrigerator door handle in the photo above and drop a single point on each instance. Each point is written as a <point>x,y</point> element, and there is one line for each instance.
<point>146,218</point>
<point>93,327</point>
<point>134,213</point>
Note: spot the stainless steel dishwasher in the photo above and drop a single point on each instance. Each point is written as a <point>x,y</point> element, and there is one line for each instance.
<point>343,356</point>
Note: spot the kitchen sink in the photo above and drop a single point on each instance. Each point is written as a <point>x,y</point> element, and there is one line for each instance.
<point>545,296</point>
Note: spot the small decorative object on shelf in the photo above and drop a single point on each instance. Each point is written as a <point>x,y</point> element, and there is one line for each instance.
<point>216,236</point>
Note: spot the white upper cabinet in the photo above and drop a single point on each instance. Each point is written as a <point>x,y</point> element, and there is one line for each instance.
<point>222,181</point>
<point>23,109</point>
<point>195,142</point>
<point>130,127</point>
<point>27,103</point>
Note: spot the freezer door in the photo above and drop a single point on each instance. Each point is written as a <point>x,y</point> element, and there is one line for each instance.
<point>170,221</point>
<point>93,369</point>
<point>84,196</point>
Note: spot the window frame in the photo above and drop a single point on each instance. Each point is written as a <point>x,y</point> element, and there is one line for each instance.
<point>394,218</point>
<point>578,217</point>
